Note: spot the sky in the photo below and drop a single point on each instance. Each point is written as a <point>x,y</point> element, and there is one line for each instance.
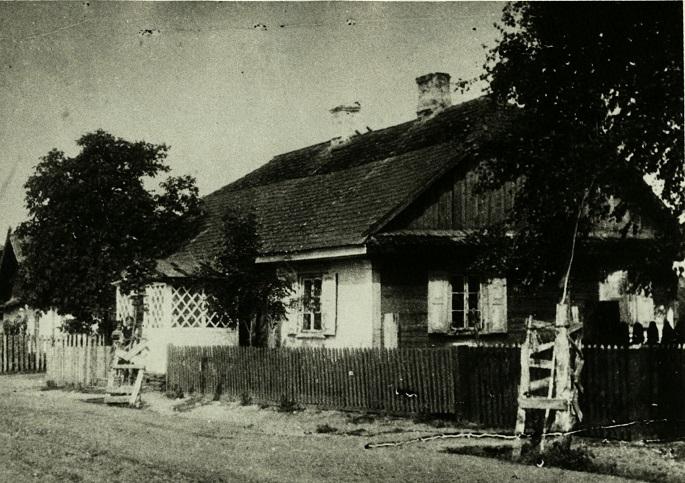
<point>225,85</point>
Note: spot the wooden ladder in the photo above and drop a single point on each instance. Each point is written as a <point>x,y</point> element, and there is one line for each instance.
<point>559,385</point>
<point>126,376</point>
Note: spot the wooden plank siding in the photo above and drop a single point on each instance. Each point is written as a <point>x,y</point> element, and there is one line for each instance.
<point>453,204</point>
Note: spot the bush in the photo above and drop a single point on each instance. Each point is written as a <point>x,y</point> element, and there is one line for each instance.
<point>245,399</point>
<point>325,428</point>
<point>287,405</point>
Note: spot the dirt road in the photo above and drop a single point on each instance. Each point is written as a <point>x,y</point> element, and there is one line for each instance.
<point>57,436</point>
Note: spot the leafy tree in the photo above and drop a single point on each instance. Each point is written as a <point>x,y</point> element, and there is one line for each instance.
<point>249,294</point>
<point>598,90</point>
<point>92,221</point>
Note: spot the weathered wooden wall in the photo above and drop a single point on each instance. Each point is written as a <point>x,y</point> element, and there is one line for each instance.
<point>453,204</point>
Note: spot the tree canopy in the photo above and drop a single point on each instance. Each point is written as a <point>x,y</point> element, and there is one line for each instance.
<point>598,90</point>
<point>92,221</point>
<point>250,295</point>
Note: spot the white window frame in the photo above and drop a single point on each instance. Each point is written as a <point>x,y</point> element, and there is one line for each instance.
<point>464,291</point>
<point>312,309</point>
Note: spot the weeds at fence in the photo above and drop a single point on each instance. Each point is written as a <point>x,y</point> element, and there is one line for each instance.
<point>430,420</point>
<point>175,393</point>
<point>50,385</point>
<point>287,405</point>
<point>325,429</point>
<point>362,418</point>
<point>217,392</point>
<point>245,399</point>
<point>191,403</point>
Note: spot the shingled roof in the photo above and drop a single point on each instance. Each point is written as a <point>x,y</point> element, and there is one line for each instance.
<point>334,195</point>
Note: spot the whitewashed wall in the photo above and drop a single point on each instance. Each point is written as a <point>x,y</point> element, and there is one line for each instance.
<point>357,307</point>
<point>158,340</point>
<point>166,319</point>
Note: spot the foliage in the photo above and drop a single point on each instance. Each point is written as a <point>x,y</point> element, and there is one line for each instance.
<point>287,405</point>
<point>599,91</point>
<point>249,294</point>
<point>245,399</point>
<point>92,221</point>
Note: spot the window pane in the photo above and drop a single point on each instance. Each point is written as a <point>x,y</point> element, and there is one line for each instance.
<point>473,318</point>
<point>473,301</point>
<point>458,319</point>
<point>457,283</point>
<point>474,284</point>
<point>316,289</point>
<point>457,302</point>
<point>306,321</point>
<point>317,321</point>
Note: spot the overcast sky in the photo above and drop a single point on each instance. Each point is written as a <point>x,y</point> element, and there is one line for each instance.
<point>226,85</point>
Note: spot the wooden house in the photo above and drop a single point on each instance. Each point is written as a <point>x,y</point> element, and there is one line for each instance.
<point>374,227</point>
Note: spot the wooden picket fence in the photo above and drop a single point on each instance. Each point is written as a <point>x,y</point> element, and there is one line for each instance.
<point>450,381</point>
<point>623,385</point>
<point>21,353</point>
<point>78,360</point>
<point>474,384</point>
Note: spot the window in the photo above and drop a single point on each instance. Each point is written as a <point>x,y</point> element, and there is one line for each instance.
<point>311,303</point>
<point>466,304</point>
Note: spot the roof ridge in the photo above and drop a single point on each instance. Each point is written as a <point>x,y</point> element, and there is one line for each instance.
<point>405,126</point>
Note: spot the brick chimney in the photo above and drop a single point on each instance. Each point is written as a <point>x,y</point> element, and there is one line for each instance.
<point>347,121</point>
<point>434,93</point>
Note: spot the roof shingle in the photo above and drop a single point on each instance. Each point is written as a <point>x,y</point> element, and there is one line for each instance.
<point>326,196</point>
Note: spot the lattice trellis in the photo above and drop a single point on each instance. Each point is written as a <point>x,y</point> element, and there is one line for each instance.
<point>124,306</point>
<point>156,313</point>
<point>191,308</point>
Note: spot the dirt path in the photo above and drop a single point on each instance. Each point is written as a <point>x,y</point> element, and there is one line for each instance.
<point>57,436</point>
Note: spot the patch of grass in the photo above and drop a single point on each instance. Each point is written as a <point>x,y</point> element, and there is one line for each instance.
<point>325,428</point>
<point>501,452</point>
<point>287,405</point>
<point>430,420</point>
<point>561,455</point>
<point>190,404</point>
<point>356,432</point>
<point>245,399</point>
<point>263,406</point>
<point>362,419</point>
<point>50,385</point>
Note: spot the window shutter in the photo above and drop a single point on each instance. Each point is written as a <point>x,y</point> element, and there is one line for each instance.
<point>329,302</point>
<point>438,302</point>
<point>484,307</point>
<point>292,310</point>
<point>495,304</point>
